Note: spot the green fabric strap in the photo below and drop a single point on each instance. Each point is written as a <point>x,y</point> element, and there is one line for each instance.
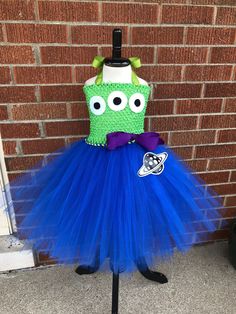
<point>135,63</point>
<point>98,62</point>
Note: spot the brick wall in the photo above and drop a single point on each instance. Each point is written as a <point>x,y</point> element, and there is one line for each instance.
<point>188,53</point>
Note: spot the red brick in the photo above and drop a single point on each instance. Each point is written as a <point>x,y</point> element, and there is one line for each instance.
<point>227,135</point>
<point>39,111</point>
<point>219,2</point>
<point>21,163</point>
<point>20,130</point>
<point>17,10</point>
<point>160,73</point>
<point>226,16</point>
<point>186,14</point>
<point>68,11</point>
<point>230,201</point>
<point>9,147</point>
<point>84,73</point>
<point>45,259</point>
<point>233,177</point>
<point>218,235</point>
<point>3,113</point>
<point>183,152</point>
<point>225,189</point>
<point>5,77</point>
<point>222,163</point>
<point>79,111</point>
<point>129,13</point>
<point>227,223</point>
<point>212,151</point>
<point>1,33</point>
<point>36,33</point>
<point>68,55</point>
<point>42,75</point>
<point>229,212</point>
<point>192,138</point>
<point>62,93</point>
<point>16,54</point>
<point>200,227</point>
<point>73,139</point>
<point>95,34</point>
<point>197,165</point>
<point>146,124</point>
<point>189,106</point>
<point>146,54</point>
<point>164,136</point>
<point>157,35</point>
<point>17,94</point>
<point>208,73</point>
<point>164,91</point>
<point>220,90</point>
<point>168,1</point>
<point>215,177</point>
<point>182,55</point>
<point>67,128</point>
<point>223,55</point>
<point>218,121</point>
<point>160,107</point>
<point>12,177</point>
<point>173,123</point>
<point>210,36</point>
<point>230,105</point>
<point>42,146</point>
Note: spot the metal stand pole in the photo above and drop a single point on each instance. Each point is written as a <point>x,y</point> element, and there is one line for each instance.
<point>115,293</point>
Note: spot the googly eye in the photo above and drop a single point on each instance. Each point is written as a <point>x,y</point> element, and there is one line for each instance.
<point>117,101</point>
<point>97,105</point>
<point>137,102</point>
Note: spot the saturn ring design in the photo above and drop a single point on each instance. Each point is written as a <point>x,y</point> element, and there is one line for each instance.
<point>152,164</point>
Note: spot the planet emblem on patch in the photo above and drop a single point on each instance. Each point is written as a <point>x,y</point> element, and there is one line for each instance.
<point>152,164</point>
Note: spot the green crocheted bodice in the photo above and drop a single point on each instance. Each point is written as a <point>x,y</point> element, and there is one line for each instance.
<point>115,107</point>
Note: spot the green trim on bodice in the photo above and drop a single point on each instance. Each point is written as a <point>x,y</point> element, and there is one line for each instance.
<point>123,110</point>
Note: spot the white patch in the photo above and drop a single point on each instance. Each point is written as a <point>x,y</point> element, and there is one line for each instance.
<point>157,166</point>
<point>97,105</point>
<point>121,99</point>
<point>137,102</point>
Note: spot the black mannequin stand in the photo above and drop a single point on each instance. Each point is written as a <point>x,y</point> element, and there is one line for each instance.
<point>117,61</point>
<point>147,273</point>
<point>115,293</point>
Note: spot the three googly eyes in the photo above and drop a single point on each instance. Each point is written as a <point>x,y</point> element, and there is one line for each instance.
<point>117,101</point>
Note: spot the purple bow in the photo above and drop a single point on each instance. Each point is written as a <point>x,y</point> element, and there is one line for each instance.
<point>148,140</point>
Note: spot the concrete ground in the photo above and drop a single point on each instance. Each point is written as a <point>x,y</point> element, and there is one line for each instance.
<point>200,282</point>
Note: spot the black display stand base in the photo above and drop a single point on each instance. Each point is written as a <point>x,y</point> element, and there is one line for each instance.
<point>147,273</point>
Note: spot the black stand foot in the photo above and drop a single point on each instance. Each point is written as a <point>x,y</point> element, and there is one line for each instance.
<point>86,270</point>
<point>154,275</point>
<point>115,293</point>
<point>149,274</point>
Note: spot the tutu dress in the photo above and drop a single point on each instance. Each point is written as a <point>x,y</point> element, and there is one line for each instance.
<point>117,198</point>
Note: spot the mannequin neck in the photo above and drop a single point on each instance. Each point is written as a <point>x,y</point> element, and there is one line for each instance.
<point>117,74</point>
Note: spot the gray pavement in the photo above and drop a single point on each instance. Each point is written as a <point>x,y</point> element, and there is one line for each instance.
<point>200,282</point>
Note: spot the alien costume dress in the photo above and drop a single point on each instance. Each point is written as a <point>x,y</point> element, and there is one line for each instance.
<point>119,197</point>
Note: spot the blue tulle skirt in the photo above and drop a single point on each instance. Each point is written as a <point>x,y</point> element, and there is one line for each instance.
<point>89,206</point>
